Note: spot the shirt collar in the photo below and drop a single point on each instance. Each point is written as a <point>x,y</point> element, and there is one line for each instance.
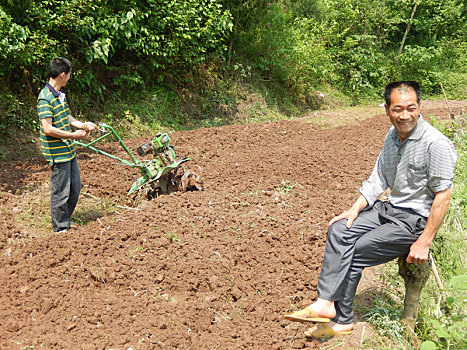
<point>416,133</point>
<point>52,90</point>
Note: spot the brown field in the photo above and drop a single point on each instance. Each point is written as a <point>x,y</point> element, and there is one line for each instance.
<point>215,269</point>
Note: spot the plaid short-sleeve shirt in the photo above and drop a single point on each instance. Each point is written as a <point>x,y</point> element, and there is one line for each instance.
<point>414,170</point>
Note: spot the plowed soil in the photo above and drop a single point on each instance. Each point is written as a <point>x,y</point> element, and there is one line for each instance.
<point>215,269</point>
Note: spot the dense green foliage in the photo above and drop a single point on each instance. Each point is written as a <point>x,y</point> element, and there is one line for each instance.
<point>208,52</point>
<point>355,45</point>
<point>130,40</point>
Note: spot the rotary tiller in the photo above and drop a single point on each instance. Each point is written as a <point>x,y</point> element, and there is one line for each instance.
<point>161,174</point>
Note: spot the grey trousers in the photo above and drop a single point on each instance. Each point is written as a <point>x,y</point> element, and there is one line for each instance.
<point>378,235</point>
<point>65,186</point>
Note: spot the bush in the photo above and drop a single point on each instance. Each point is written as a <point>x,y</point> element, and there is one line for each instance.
<point>451,326</point>
<point>12,43</point>
<point>288,50</point>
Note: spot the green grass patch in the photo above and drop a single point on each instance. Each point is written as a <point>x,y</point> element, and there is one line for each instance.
<point>172,237</point>
<point>89,210</point>
<point>443,320</point>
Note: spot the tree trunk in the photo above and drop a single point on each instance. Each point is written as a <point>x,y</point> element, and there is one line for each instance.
<point>406,33</point>
<point>415,277</point>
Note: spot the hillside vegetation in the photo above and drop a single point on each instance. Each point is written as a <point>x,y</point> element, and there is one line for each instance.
<point>182,64</point>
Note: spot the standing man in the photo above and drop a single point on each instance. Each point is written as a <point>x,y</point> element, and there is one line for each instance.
<point>57,144</point>
<point>417,164</point>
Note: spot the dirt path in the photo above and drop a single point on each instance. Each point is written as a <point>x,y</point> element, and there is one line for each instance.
<point>199,270</point>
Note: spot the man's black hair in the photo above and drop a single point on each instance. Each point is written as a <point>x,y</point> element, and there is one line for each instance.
<point>58,66</point>
<point>391,86</point>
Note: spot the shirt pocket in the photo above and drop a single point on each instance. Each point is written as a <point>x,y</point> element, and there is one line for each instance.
<point>416,175</point>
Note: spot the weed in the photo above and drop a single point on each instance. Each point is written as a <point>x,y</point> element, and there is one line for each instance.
<point>240,202</point>
<point>33,212</point>
<point>231,279</point>
<point>243,71</point>
<point>220,316</point>
<point>286,186</point>
<point>135,252</point>
<point>252,192</point>
<point>450,324</point>
<point>292,307</point>
<point>387,320</point>
<point>335,343</point>
<point>173,237</point>
<point>201,233</point>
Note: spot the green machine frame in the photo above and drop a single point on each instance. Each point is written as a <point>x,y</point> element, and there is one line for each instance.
<point>151,170</point>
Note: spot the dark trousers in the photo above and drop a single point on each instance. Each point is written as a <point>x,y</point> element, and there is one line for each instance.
<point>65,185</point>
<point>378,235</point>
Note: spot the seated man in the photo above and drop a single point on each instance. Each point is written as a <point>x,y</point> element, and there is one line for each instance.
<point>417,164</point>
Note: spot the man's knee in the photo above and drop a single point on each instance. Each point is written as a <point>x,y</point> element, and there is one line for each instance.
<point>339,226</point>
<point>337,230</point>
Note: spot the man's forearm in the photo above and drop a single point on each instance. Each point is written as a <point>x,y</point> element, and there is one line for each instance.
<point>51,130</point>
<point>438,211</point>
<point>360,204</point>
<point>86,126</point>
<point>419,250</point>
<point>352,213</point>
<point>75,123</point>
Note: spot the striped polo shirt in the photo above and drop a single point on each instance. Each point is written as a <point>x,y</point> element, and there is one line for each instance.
<point>414,170</point>
<point>49,105</point>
